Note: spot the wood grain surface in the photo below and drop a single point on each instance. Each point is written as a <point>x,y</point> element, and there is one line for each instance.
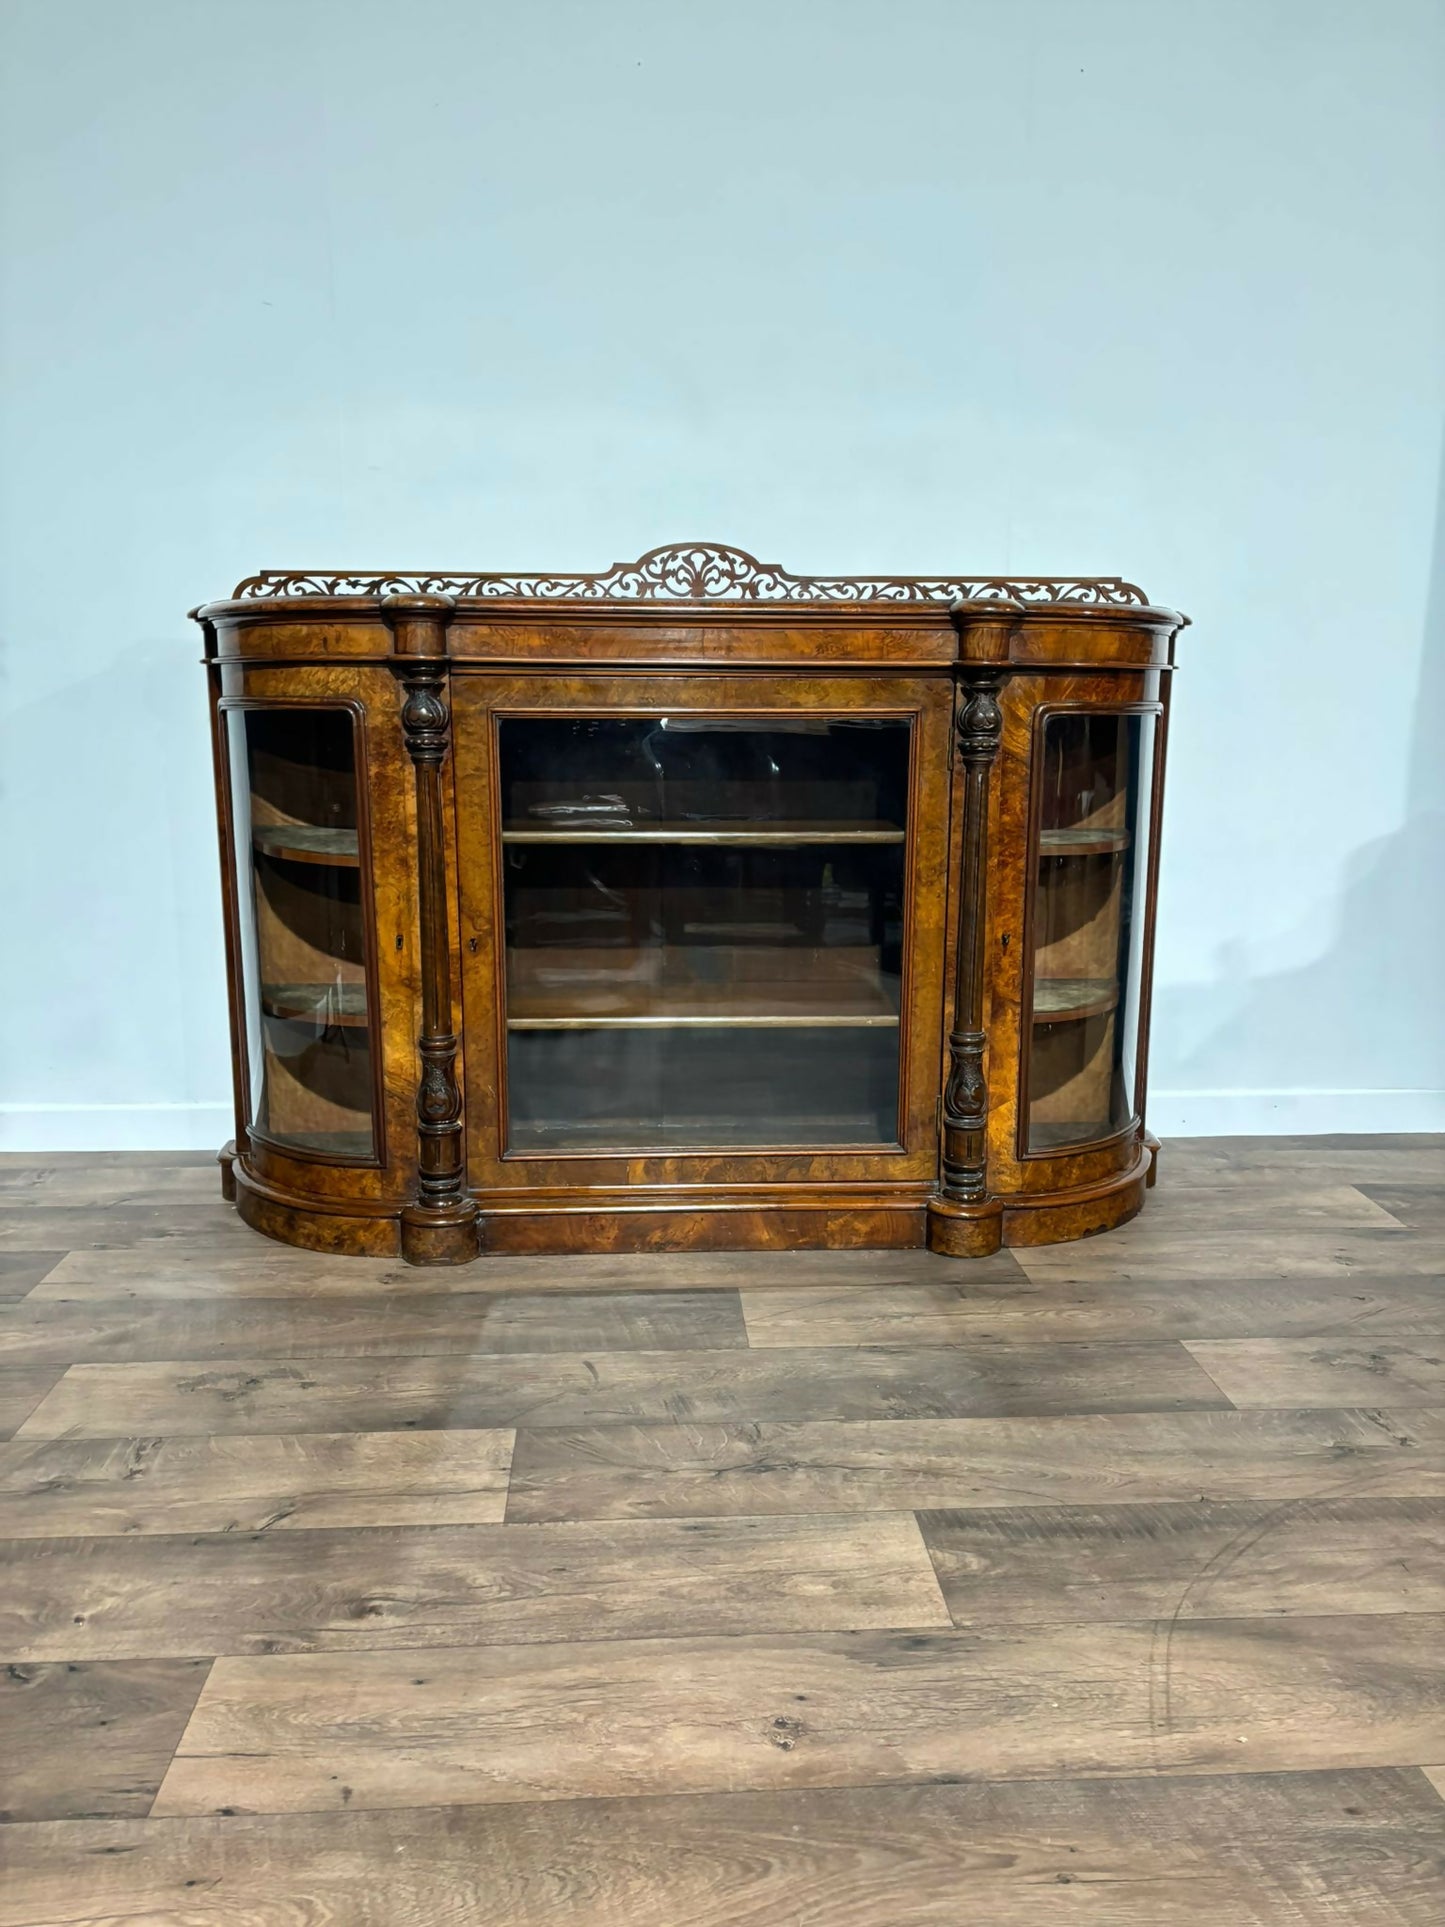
<point>1088,1584</point>
<point>22,1387</point>
<point>1416,1204</point>
<point>1350,1370</point>
<point>83,1740</point>
<point>472,1585</point>
<point>412,1324</point>
<point>1041,1310</point>
<point>64,1487</point>
<point>311,1731</point>
<point>196,1267</point>
<point>22,1271</point>
<point>1204,1559</point>
<point>1325,1849</point>
<point>32,1227</point>
<point>654,1471</point>
<point>1161,1252</point>
<point>79,1183</point>
<point>279,1395</point>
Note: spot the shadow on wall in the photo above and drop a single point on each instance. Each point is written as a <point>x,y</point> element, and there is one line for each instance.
<point>1317,1022</point>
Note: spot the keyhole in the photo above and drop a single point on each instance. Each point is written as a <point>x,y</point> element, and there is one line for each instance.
<point>1003,940</point>
<point>400,941</point>
<point>472,945</point>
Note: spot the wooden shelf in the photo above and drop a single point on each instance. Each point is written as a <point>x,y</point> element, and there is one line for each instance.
<point>706,985</point>
<point>1082,842</point>
<point>1062,1000</point>
<point>605,1010</point>
<point>758,1005</point>
<point>638,1136</point>
<point>325,1004</point>
<point>340,1144</point>
<point>778,835</point>
<point>307,843</point>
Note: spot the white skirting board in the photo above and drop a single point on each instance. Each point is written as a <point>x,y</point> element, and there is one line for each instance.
<point>204,1127</point>
<point>1292,1113</point>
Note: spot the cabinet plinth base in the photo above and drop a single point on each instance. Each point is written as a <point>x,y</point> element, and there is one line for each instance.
<point>519,1223</point>
<point>1056,1217</point>
<point>965,1231</point>
<point>1046,1217</point>
<point>440,1238</point>
<point>313,1225</point>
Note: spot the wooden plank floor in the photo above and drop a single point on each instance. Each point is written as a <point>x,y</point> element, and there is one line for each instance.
<point>1100,1583</point>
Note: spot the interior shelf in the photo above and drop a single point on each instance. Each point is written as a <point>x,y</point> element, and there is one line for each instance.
<point>699,986</point>
<point>1081,842</point>
<point>335,1144</point>
<point>629,1136</point>
<point>1061,1000</point>
<point>328,1004</point>
<point>307,843</point>
<point>779,835</point>
<point>759,1006</point>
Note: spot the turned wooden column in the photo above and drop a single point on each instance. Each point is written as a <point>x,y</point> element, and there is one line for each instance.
<point>440,1225</point>
<point>963,1221</point>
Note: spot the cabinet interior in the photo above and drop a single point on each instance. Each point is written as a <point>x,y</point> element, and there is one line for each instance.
<point>703,930</point>
<point>305,983</point>
<point>1092,822</point>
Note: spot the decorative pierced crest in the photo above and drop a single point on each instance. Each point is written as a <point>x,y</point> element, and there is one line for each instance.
<point>697,572</point>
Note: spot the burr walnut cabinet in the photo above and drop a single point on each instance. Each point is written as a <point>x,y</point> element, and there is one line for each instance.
<point>690,905</point>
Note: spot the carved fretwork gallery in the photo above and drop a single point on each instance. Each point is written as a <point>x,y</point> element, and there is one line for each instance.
<point>690,905</point>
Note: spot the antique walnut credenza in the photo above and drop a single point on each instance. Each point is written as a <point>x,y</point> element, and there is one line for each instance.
<point>690,905</point>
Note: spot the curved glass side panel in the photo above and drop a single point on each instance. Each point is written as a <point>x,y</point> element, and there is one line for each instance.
<point>1096,777</point>
<point>704,931</point>
<point>302,929</point>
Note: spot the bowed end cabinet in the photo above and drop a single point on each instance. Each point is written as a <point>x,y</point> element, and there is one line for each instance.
<point>693,905</point>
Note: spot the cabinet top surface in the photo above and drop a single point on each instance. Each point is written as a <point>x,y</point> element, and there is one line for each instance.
<point>698,578</point>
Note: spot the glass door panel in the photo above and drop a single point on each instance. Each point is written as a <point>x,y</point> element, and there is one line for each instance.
<point>302,928</point>
<point>1096,775</point>
<point>704,931</point>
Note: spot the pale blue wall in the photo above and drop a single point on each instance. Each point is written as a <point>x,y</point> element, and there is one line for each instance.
<point>1144,286</point>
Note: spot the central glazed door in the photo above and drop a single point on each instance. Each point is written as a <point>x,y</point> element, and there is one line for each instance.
<point>702,930</point>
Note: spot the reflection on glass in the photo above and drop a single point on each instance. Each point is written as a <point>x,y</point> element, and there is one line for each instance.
<point>1097,776</point>
<point>704,931</point>
<point>302,935</point>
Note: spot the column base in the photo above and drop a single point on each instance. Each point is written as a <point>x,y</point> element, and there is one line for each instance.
<point>449,1235</point>
<point>965,1230</point>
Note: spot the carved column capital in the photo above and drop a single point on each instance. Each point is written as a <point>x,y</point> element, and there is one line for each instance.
<point>980,720</point>
<point>425,716</point>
